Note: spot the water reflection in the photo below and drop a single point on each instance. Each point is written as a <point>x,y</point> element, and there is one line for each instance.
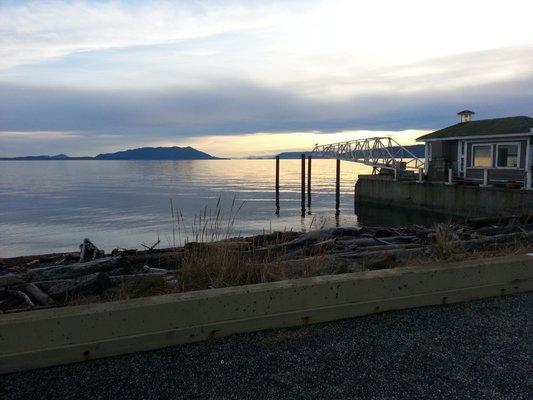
<point>50,206</point>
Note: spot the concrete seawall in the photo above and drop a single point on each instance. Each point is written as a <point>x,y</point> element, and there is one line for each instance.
<point>453,199</point>
<point>71,334</point>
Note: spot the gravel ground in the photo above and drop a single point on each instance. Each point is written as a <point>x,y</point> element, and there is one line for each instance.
<point>476,350</point>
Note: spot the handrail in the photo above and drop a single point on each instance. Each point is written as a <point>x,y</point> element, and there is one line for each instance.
<point>378,152</point>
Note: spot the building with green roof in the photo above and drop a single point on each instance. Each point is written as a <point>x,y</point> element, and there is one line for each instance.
<point>498,149</point>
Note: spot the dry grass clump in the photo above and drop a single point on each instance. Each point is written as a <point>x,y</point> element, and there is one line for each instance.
<point>80,300</point>
<point>154,286</point>
<point>209,225</point>
<point>445,241</point>
<point>215,266</point>
<point>215,256</point>
<point>499,250</point>
<point>448,244</point>
<point>218,266</point>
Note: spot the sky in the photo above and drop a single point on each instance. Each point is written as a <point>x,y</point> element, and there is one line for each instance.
<point>237,78</point>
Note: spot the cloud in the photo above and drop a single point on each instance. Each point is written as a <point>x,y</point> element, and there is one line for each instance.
<point>34,31</point>
<point>310,43</point>
<point>143,117</point>
<point>18,143</point>
<point>45,136</point>
<point>123,73</point>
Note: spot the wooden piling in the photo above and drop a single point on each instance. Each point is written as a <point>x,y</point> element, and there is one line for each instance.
<point>355,198</point>
<point>277,184</point>
<point>309,183</point>
<point>338,187</point>
<point>303,185</point>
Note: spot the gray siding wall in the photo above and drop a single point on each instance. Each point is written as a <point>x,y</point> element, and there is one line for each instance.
<point>497,175</point>
<point>452,146</point>
<point>437,149</point>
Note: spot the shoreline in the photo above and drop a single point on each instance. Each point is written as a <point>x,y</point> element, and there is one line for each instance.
<point>72,278</point>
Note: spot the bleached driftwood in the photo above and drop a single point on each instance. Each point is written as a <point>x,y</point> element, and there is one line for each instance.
<point>89,252</point>
<point>311,238</point>
<point>35,293</point>
<point>73,270</point>
<point>22,296</point>
<point>372,240</point>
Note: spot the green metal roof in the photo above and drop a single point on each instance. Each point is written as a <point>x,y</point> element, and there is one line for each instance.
<point>484,127</point>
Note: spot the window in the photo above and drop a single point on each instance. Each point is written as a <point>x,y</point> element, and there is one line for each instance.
<point>507,155</point>
<point>482,156</point>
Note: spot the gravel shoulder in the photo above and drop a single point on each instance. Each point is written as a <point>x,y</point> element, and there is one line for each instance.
<point>479,350</point>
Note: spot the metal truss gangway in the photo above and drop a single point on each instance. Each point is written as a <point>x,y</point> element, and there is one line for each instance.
<point>377,152</point>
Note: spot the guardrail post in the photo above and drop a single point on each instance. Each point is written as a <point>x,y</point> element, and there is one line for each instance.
<point>309,184</point>
<point>420,175</point>
<point>303,185</point>
<point>277,184</point>
<point>338,187</point>
<point>485,178</point>
<point>527,182</point>
<point>355,198</point>
<point>450,177</point>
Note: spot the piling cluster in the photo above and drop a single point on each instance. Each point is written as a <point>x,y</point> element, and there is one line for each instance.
<point>303,185</point>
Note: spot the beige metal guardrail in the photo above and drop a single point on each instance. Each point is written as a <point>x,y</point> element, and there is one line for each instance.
<point>58,336</point>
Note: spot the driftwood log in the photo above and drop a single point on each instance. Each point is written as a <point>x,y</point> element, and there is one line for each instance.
<point>89,252</point>
<point>73,270</point>
<point>481,243</point>
<point>35,294</point>
<point>89,285</point>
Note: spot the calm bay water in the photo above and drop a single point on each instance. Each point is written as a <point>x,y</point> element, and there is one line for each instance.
<point>49,206</point>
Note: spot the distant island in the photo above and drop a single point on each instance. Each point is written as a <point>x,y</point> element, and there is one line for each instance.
<point>157,153</point>
<point>143,153</point>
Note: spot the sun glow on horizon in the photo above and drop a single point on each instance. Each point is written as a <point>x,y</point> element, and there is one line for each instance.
<point>265,144</point>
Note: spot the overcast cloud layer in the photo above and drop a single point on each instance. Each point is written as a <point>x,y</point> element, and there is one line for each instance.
<point>85,77</point>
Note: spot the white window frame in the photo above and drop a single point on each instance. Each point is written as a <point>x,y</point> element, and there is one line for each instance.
<point>491,155</point>
<point>518,154</point>
<point>494,155</point>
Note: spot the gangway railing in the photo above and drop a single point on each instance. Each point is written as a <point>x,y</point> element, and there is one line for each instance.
<point>376,152</point>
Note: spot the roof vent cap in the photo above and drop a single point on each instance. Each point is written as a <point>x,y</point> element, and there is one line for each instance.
<point>465,115</point>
